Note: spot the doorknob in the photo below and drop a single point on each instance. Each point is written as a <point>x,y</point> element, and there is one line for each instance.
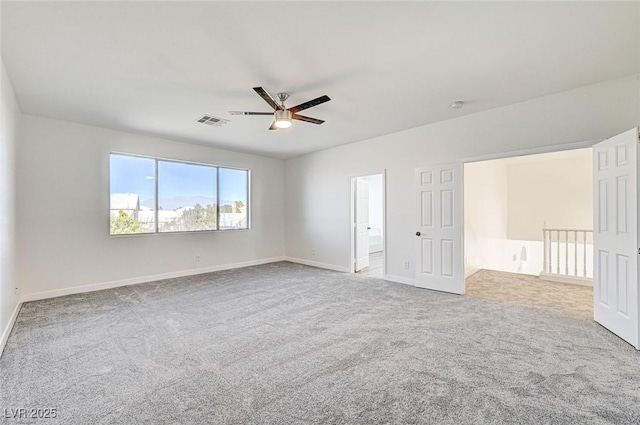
<point>417,233</point>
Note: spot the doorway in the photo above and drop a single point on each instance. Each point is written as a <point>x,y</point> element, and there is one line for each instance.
<point>511,205</point>
<point>368,225</point>
<point>528,229</point>
<point>616,171</point>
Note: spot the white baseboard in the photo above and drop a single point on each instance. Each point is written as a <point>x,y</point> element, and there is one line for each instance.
<point>398,279</point>
<point>317,264</point>
<point>471,271</point>
<point>584,281</point>
<point>7,329</point>
<point>143,279</point>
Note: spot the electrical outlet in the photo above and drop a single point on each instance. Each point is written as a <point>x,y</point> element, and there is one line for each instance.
<point>406,264</point>
<point>197,258</point>
<point>313,252</point>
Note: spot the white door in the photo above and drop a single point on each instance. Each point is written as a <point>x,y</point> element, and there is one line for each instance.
<point>615,276</point>
<point>439,263</point>
<point>362,224</point>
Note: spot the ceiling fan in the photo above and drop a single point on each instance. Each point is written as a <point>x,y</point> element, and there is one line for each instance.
<point>282,115</point>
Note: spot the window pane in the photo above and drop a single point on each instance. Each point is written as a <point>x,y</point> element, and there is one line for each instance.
<point>132,195</point>
<point>233,198</point>
<point>187,197</point>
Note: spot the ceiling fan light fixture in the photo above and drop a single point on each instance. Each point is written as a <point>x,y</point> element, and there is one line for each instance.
<point>282,115</point>
<point>283,118</point>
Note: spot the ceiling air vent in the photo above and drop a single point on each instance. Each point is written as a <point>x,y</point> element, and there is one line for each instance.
<point>211,120</point>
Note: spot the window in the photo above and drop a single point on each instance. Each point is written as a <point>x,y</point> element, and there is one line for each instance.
<point>233,198</point>
<point>187,197</point>
<point>133,195</point>
<point>150,195</point>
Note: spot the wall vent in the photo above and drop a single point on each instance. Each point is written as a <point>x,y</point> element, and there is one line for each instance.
<point>211,120</point>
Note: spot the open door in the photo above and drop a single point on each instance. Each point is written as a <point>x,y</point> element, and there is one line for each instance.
<point>439,262</point>
<point>615,277</point>
<point>362,224</point>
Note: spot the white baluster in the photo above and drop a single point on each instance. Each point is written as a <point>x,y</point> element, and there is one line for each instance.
<point>551,265</point>
<point>545,266</point>
<point>584,240</point>
<point>558,252</point>
<point>566,252</point>
<point>575,252</point>
<point>549,253</point>
<point>545,248</point>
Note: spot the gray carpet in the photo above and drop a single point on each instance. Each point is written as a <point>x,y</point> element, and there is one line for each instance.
<point>285,343</point>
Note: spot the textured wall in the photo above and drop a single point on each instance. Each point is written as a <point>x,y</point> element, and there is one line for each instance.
<point>63,210</point>
<point>317,212</point>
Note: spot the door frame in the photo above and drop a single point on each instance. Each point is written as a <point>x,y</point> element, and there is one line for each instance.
<point>533,151</point>
<point>352,217</point>
<point>512,154</point>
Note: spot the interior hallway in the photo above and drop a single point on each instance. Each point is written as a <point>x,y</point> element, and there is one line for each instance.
<point>376,265</point>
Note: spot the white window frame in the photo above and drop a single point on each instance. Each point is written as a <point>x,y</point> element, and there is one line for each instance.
<point>156,200</point>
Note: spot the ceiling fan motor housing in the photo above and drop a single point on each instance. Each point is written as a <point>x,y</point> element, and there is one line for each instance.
<point>282,97</point>
<point>283,115</point>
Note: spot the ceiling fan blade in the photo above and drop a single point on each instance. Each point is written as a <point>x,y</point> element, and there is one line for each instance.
<point>309,104</point>
<point>267,97</point>
<point>306,119</point>
<point>249,113</point>
<point>273,125</point>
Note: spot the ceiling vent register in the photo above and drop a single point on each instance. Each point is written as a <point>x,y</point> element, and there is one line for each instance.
<point>211,120</point>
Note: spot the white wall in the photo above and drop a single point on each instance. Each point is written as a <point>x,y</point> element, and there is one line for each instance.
<point>558,191</point>
<point>485,213</point>
<point>9,294</point>
<point>63,211</point>
<point>317,203</point>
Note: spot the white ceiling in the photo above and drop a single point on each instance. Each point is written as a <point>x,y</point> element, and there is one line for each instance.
<point>155,67</point>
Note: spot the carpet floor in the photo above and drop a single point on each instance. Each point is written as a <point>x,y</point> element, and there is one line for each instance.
<point>285,343</point>
<point>529,290</point>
